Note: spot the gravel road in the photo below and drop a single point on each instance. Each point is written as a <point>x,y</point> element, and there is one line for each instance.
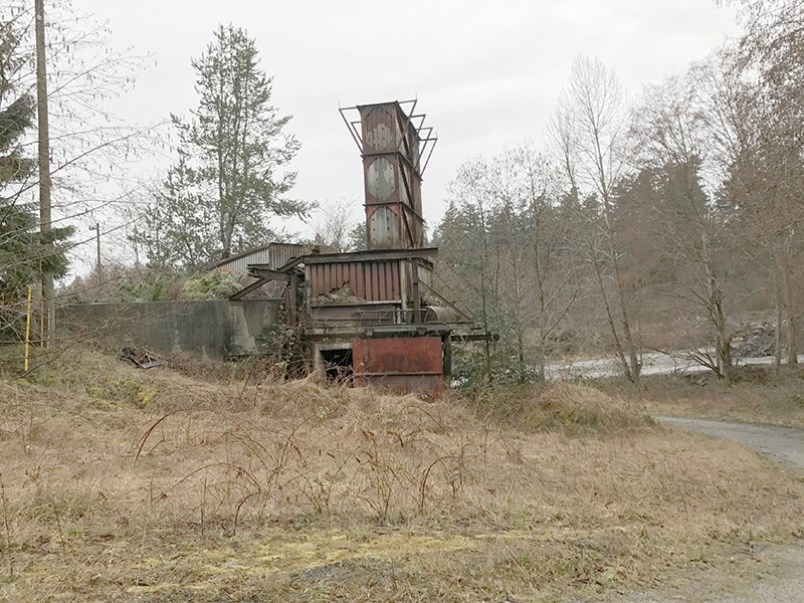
<point>653,363</point>
<point>779,576</point>
<point>783,444</point>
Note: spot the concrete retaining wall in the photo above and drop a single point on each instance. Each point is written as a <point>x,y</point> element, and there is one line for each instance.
<point>214,329</point>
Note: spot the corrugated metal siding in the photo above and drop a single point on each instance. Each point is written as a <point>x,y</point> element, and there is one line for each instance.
<point>239,265</point>
<point>281,253</point>
<point>369,281</point>
<point>273,254</point>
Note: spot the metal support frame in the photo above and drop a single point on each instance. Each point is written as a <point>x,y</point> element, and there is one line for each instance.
<point>293,299</point>
<point>268,274</point>
<point>246,290</point>
<point>426,134</point>
<point>446,346</point>
<point>351,124</point>
<point>417,299</point>
<point>407,207</point>
<point>446,301</point>
<point>436,329</point>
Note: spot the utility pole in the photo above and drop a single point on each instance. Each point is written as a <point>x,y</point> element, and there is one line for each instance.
<point>98,268</point>
<point>45,220</point>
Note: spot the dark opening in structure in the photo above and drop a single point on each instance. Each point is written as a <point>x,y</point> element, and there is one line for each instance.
<point>338,365</point>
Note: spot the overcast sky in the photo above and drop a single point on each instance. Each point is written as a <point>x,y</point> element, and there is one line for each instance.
<point>487,73</point>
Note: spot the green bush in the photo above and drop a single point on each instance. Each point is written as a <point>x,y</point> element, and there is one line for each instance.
<point>209,285</point>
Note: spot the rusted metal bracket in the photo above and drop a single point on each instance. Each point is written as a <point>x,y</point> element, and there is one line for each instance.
<point>246,290</point>
<point>446,301</point>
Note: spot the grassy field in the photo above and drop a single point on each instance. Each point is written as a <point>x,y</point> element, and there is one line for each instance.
<point>755,395</point>
<point>220,483</point>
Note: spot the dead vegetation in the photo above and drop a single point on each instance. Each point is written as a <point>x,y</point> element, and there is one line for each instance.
<point>752,395</point>
<point>572,409</point>
<point>123,484</point>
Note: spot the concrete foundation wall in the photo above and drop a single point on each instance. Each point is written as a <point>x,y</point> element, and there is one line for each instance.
<point>214,329</point>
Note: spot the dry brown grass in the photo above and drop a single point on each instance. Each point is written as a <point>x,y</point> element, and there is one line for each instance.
<point>120,484</point>
<point>572,409</point>
<point>757,395</point>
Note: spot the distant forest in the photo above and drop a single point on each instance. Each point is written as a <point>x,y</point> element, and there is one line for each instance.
<point>669,221</point>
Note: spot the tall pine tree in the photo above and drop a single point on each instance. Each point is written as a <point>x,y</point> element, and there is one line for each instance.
<point>22,246</point>
<point>233,151</point>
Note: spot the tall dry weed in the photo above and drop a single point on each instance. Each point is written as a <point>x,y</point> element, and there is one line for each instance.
<point>569,408</point>
<point>291,491</point>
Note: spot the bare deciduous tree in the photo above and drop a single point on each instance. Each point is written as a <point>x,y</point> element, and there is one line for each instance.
<point>334,224</point>
<point>590,129</point>
<point>670,137</point>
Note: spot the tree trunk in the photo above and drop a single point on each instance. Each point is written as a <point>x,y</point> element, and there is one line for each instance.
<point>542,328</point>
<point>45,218</point>
<point>714,303</point>
<point>778,297</point>
<point>610,318</point>
<point>633,358</point>
<point>790,315</point>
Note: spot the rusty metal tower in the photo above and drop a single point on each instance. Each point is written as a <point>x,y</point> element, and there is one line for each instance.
<point>374,314</point>
<point>396,146</point>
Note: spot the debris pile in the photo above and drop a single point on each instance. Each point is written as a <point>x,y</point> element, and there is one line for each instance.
<point>759,342</point>
<point>141,357</point>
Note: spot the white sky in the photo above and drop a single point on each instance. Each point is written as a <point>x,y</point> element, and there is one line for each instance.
<point>487,73</point>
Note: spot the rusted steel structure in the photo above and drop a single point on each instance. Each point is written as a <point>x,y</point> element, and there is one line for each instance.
<point>373,315</point>
<point>392,141</point>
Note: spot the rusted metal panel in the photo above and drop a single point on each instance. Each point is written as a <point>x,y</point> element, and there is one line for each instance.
<point>393,277</point>
<point>378,270</point>
<point>401,365</point>
<point>382,183</point>
<point>380,131</point>
<point>398,356</point>
<point>416,202</point>
<point>360,276</point>
<point>383,227</point>
<point>384,179</point>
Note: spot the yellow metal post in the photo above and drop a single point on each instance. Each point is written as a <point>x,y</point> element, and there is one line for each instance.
<point>28,327</point>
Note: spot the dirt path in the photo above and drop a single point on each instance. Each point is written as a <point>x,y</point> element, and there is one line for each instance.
<point>779,573</point>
